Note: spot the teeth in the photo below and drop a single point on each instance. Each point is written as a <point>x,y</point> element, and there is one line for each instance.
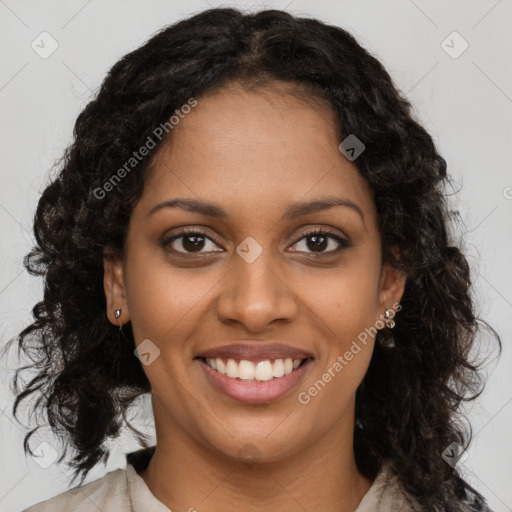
<point>278,368</point>
<point>232,369</point>
<point>246,370</point>
<point>221,367</point>
<point>261,371</point>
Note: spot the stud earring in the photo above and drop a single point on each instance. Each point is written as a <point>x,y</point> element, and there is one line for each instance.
<point>388,319</point>
<point>117,315</point>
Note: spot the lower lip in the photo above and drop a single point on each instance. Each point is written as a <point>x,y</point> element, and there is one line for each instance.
<point>254,392</point>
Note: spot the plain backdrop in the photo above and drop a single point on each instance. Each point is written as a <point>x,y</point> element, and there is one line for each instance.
<point>463,96</point>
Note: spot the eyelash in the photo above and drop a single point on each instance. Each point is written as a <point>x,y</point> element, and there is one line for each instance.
<point>343,243</point>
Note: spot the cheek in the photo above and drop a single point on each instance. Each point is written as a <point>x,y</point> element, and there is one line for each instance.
<point>163,301</point>
<point>347,306</point>
<point>345,299</point>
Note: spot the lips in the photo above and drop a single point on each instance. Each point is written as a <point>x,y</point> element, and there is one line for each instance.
<point>255,352</point>
<point>277,371</point>
<point>254,392</point>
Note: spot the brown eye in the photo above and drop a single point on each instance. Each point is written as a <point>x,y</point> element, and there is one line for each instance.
<point>319,241</point>
<point>189,242</point>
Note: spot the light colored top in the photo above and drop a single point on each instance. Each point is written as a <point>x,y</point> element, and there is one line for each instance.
<point>123,490</point>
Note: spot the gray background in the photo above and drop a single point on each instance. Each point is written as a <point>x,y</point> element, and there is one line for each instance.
<point>464,102</point>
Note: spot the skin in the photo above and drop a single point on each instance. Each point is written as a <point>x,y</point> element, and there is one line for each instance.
<point>253,154</point>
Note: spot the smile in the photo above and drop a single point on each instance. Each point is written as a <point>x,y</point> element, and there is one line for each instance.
<point>254,382</point>
<point>259,371</point>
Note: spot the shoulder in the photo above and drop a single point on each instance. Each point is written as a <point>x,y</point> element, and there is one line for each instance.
<point>111,493</point>
<point>468,497</point>
<point>387,494</point>
<point>108,494</point>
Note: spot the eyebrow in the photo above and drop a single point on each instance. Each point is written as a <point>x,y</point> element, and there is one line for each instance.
<point>293,211</point>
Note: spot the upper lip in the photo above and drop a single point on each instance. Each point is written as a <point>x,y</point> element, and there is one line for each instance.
<point>255,352</point>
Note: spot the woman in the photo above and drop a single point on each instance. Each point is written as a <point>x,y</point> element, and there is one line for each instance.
<point>246,206</point>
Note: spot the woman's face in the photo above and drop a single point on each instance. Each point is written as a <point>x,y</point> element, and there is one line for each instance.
<point>253,277</point>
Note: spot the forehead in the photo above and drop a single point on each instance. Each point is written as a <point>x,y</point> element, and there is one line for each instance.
<point>246,147</point>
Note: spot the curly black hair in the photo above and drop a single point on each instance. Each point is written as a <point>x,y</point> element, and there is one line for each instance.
<point>408,405</point>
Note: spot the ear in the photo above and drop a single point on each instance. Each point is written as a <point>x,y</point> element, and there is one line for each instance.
<point>114,286</point>
<point>392,285</point>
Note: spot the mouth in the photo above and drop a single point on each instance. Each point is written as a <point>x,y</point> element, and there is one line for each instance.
<point>258,371</point>
<point>254,374</point>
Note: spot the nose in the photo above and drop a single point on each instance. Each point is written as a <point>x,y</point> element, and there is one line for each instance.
<point>256,294</point>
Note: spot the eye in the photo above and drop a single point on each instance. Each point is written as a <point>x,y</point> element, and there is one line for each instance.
<point>189,242</point>
<point>320,240</point>
<point>197,241</point>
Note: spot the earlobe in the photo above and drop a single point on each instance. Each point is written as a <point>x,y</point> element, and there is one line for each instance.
<point>114,287</point>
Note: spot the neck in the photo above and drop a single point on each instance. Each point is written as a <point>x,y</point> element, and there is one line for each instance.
<point>185,475</point>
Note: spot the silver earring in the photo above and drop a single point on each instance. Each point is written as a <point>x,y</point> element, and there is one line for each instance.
<point>388,319</point>
<point>117,315</point>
